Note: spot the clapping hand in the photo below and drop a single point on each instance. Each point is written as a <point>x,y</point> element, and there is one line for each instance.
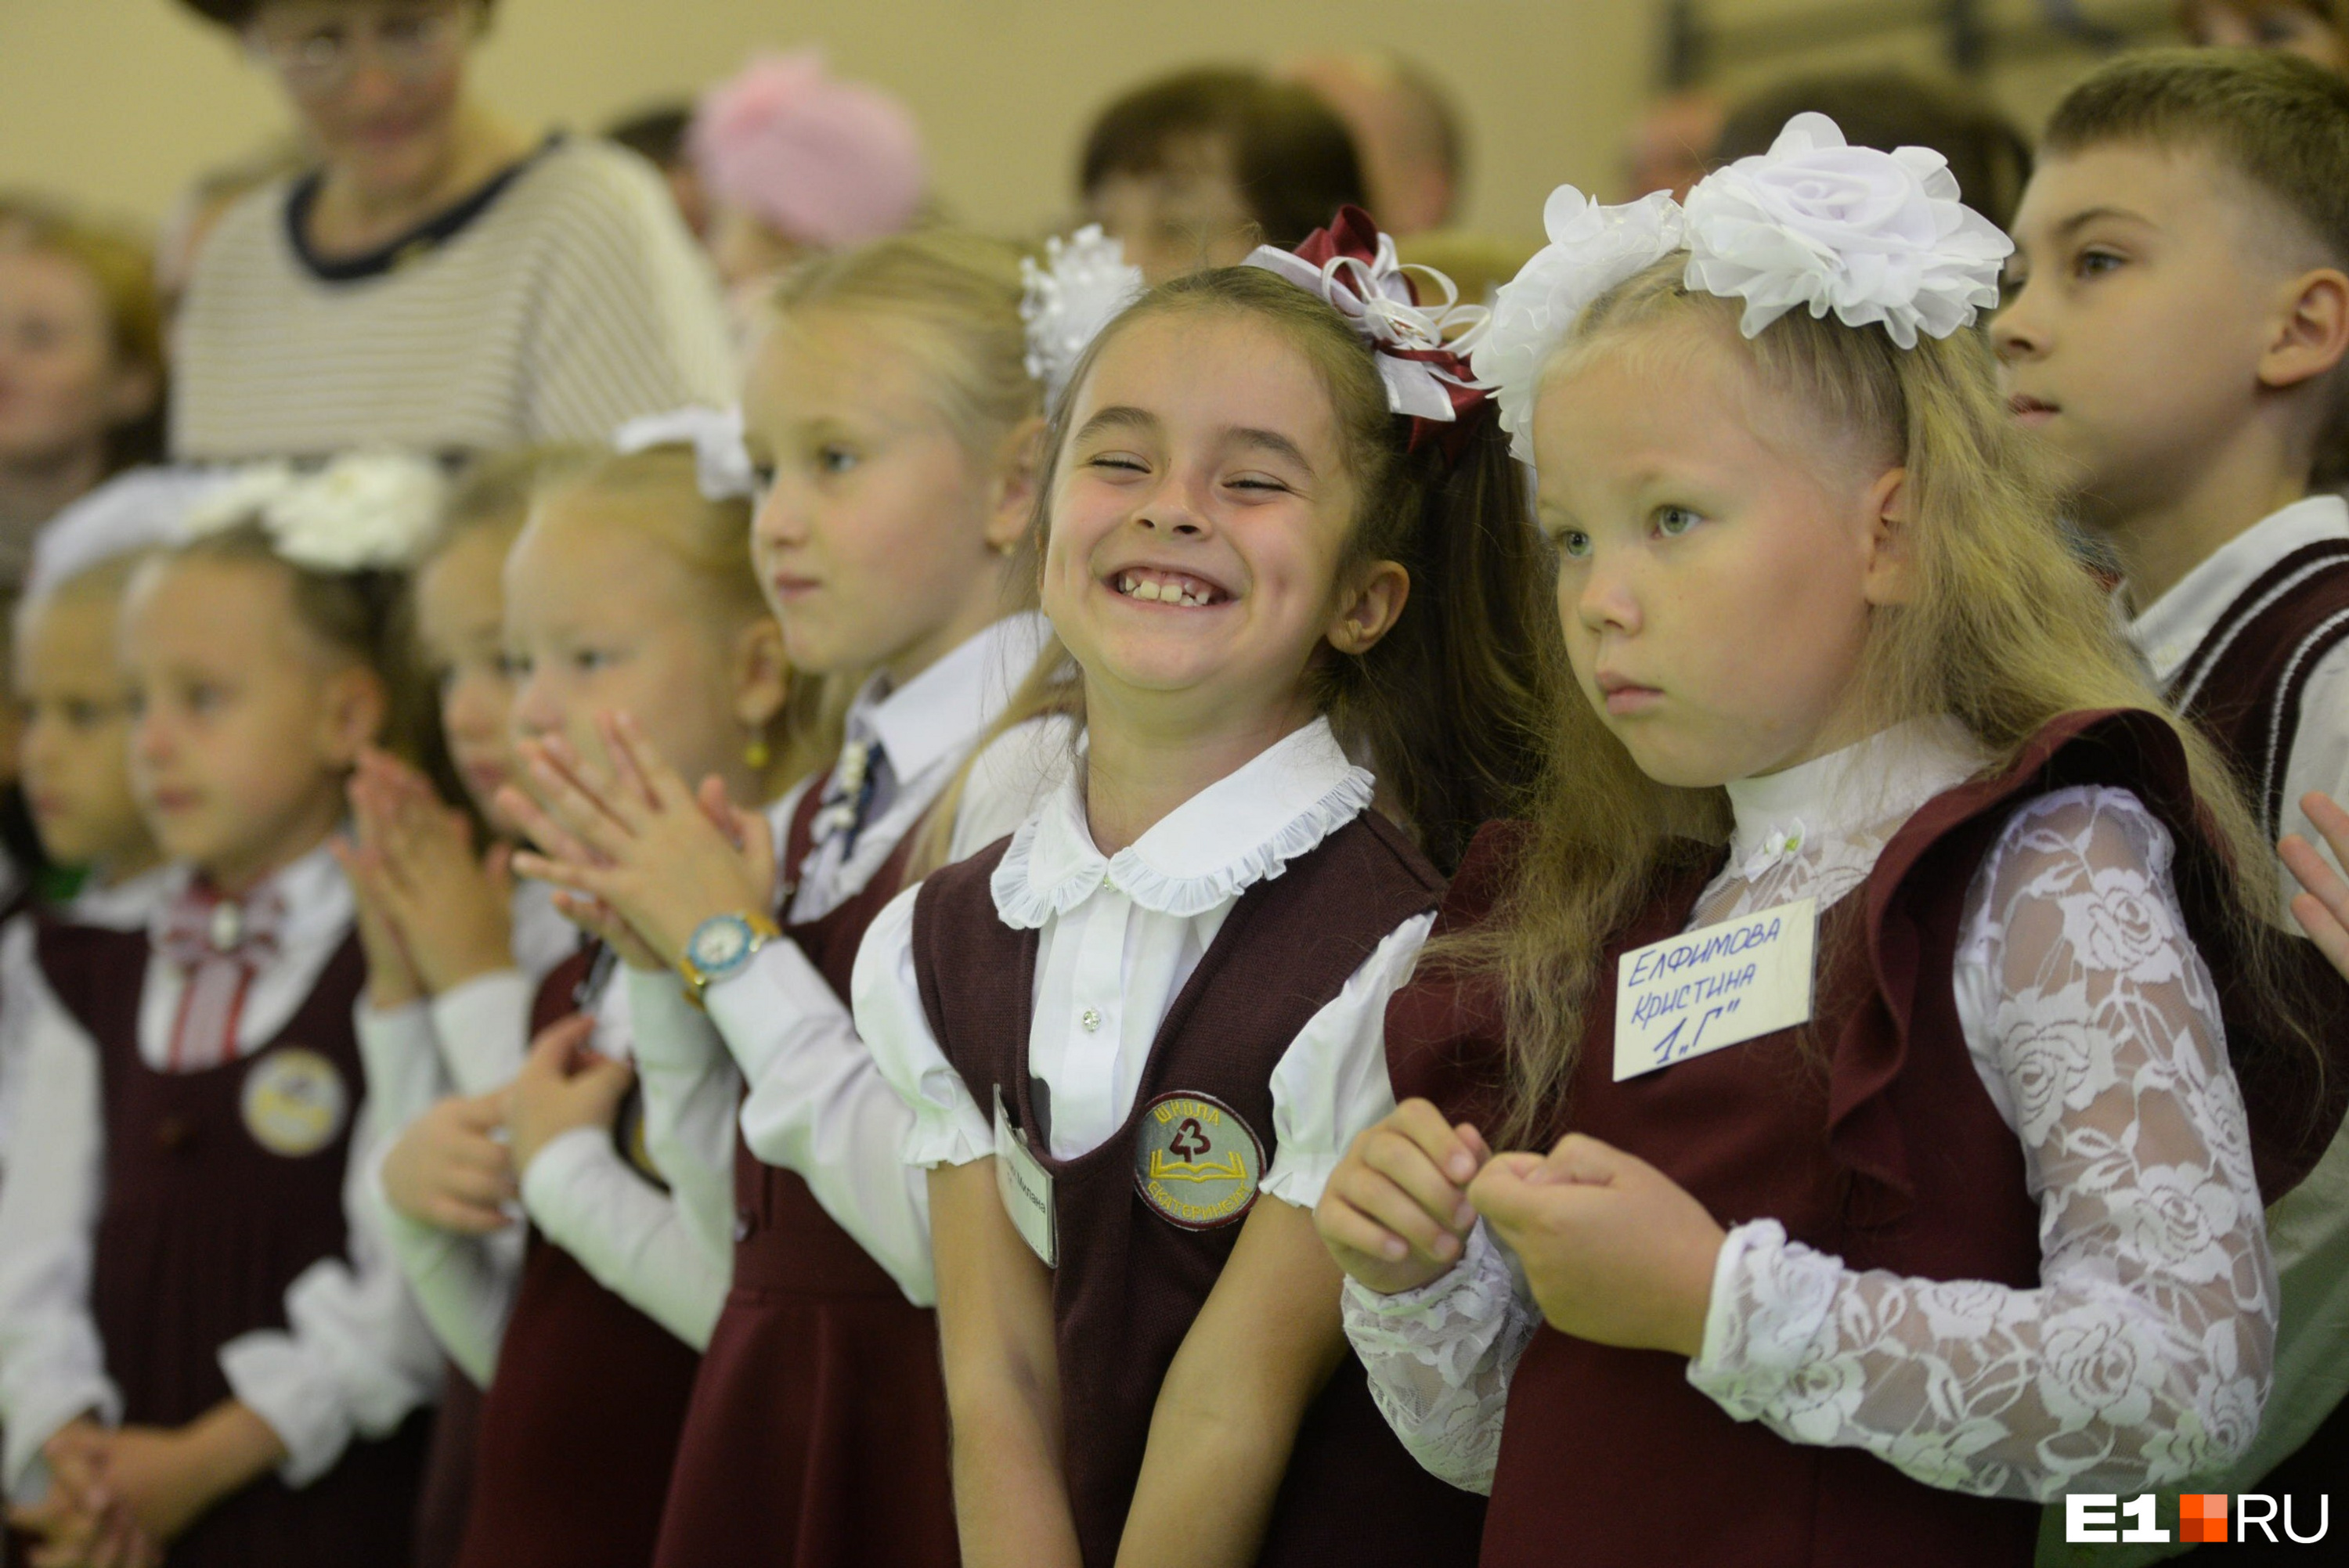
<point>638,841</point>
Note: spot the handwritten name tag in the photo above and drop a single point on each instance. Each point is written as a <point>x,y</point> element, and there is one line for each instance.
<point>1713,987</point>
<point>1025,1186</point>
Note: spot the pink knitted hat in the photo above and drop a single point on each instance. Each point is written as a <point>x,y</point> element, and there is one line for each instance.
<point>826,163</point>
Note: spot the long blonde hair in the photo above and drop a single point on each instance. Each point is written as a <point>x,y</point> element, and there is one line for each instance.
<point>2004,631</point>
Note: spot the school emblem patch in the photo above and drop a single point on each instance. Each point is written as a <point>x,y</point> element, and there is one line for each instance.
<point>1195,1162</point>
<point>293,1102</point>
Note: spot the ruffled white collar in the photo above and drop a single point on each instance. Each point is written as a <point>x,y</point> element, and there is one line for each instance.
<point>1848,795</point>
<point>1239,830</point>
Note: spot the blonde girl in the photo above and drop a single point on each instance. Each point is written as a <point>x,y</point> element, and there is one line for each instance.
<point>629,591</point>
<point>456,948</point>
<point>1135,1034</point>
<point>1965,1211</point>
<point>892,422</point>
<point>205,1337</point>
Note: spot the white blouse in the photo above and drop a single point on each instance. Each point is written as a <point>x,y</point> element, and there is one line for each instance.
<point>778,1043</point>
<point>628,1235</point>
<point>354,1358</point>
<point>1119,936</point>
<point>2142,1355</point>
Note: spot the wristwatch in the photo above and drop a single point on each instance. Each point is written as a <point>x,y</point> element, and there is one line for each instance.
<point>721,946</point>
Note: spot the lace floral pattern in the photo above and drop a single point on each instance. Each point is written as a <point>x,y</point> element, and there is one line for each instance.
<point>1439,1360</point>
<point>2143,1357</point>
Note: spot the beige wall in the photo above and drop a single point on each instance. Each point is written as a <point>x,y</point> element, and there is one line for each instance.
<point>119,101</point>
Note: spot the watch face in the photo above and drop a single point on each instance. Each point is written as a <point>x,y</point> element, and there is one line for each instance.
<point>719,944</point>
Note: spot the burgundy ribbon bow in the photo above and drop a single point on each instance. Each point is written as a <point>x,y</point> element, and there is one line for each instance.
<point>219,944</point>
<point>1423,346</point>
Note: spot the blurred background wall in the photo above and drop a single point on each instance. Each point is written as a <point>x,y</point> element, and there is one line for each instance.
<point>122,100</point>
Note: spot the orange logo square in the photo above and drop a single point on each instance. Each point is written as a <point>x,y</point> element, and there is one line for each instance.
<point>2202,1516</point>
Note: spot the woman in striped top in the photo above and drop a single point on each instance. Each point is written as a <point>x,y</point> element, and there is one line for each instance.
<point>436,282</point>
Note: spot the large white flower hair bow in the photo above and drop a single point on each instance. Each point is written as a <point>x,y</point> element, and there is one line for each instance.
<point>722,464</point>
<point>362,511</point>
<point>1591,249</point>
<point>1084,283</point>
<point>1421,348</point>
<point>1874,236</point>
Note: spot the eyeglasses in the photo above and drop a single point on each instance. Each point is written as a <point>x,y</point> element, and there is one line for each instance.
<point>411,42</point>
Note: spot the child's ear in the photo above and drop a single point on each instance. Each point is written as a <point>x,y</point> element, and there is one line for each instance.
<point>353,716</point>
<point>1371,609</point>
<point>1889,577</point>
<point>1013,501</point>
<point>2311,329</point>
<point>763,677</point>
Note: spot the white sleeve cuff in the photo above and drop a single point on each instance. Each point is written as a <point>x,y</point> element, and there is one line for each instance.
<point>948,1126</point>
<point>275,1376</point>
<point>1331,1082</point>
<point>483,1027</point>
<point>402,1064</point>
<point>1757,1339</point>
<point>33,1420</point>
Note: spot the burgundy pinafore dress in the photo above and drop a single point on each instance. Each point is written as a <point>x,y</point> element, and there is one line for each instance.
<point>2244,686</point>
<point>579,1424</point>
<point>1866,1133</point>
<point>1130,1279</point>
<point>817,1435</point>
<point>201,1232</point>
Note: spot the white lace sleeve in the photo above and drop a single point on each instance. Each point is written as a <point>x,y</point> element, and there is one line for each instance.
<point>2144,1355</point>
<point>1439,1360</point>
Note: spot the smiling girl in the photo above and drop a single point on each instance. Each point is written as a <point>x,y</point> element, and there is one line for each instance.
<point>1967,1211</point>
<point>1136,1035</point>
<point>894,425</point>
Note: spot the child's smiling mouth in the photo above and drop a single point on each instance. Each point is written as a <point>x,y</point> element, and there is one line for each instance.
<point>1151,584</point>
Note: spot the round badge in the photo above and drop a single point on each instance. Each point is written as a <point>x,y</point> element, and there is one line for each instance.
<point>295,1102</point>
<point>1195,1162</point>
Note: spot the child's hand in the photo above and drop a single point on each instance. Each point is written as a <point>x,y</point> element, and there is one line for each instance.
<point>391,973</point>
<point>75,1524</point>
<point>562,1085</point>
<point>662,854</point>
<point>454,908</point>
<point>1395,1213</point>
<point>170,1477</point>
<point>449,1170</point>
<point>601,920</point>
<point>2323,909</point>
<point>1616,1251</point>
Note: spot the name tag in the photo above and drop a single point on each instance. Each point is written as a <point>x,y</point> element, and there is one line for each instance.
<point>1714,987</point>
<point>1025,1186</point>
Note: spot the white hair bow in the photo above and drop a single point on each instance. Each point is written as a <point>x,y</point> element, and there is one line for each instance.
<point>1084,283</point>
<point>1591,249</point>
<point>363,511</point>
<point>1874,236</point>
<point>722,466</point>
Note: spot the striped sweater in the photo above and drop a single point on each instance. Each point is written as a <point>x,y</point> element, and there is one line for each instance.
<point>556,303</point>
